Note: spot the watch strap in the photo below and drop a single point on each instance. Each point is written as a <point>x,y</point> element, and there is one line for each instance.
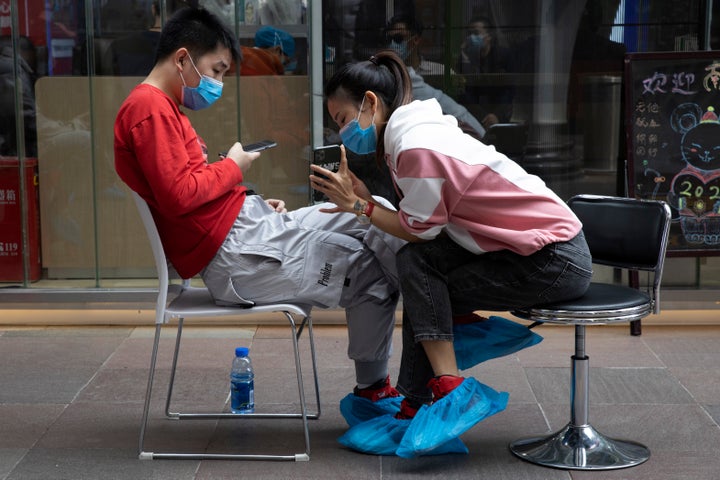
<point>368,209</point>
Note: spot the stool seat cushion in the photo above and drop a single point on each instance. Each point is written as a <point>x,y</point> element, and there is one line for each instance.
<point>601,303</point>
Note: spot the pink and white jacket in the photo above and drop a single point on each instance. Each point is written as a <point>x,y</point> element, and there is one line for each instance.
<point>449,182</point>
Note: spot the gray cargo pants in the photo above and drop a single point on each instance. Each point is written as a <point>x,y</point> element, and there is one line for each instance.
<point>325,260</point>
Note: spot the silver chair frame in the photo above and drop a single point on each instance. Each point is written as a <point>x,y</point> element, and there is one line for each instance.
<point>579,446</point>
<point>187,302</point>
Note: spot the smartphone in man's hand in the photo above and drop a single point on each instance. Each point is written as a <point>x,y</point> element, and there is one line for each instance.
<point>327,157</point>
<point>258,146</point>
<point>254,147</point>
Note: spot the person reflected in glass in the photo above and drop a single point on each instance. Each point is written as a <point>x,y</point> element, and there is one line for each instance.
<point>275,110</point>
<point>272,54</point>
<point>404,36</point>
<point>482,56</point>
<point>27,76</point>
<point>134,54</point>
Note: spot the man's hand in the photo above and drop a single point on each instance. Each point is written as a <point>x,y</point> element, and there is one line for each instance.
<point>242,158</point>
<point>490,120</point>
<point>277,205</point>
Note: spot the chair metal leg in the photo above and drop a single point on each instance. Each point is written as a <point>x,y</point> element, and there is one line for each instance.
<point>311,339</point>
<point>173,369</point>
<point>148,391</point>
<point>578,446</point>
<point>301,388</point>
<point>303,414</point>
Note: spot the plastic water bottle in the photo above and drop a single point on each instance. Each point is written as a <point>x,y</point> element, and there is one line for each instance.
<point>242,383</point>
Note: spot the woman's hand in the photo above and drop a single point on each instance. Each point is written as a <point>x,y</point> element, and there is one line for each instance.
<point>342,188</point>
<point>359,187</point>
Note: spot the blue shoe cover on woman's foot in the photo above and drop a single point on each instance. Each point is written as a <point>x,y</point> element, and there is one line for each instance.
<point>450,417</point>
<point>495,337</point>
<point>382,435</point>
<point>358,409</point>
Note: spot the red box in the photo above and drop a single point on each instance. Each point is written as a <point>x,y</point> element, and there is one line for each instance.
<point>11,240</point>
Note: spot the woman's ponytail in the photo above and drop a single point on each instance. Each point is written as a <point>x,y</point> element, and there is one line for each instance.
<point>401,78</point>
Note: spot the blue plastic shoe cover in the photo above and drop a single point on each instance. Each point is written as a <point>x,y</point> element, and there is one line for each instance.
<point>495,337</point>
<point>382,435</point>
<point>450,417</point>
<point>358,409</point>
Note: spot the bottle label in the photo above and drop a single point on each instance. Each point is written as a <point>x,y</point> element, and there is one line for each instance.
<point>242,398</point>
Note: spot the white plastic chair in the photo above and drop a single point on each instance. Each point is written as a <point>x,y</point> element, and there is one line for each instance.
<point>186,301</point>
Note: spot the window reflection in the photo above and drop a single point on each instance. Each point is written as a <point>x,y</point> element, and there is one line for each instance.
<point>482,54</point>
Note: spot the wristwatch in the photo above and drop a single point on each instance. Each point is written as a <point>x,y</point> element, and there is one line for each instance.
<point>363,210</point>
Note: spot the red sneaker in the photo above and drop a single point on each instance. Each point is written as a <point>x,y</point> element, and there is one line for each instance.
<point>407,410</point>
<point>468,318</point>
<point>378,390</point>
<point>444,384</point>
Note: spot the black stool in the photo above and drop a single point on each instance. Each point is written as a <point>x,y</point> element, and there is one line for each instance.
<point>623,233</point>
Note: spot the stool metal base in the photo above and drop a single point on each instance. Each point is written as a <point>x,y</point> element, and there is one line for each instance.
<point>580,448</point>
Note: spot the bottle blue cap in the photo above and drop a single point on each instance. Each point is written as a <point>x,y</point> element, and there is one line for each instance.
<point>242,351</point>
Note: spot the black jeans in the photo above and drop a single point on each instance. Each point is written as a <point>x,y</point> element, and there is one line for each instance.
<point>439,279</point>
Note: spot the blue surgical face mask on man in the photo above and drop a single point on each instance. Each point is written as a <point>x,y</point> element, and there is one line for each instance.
<point>290,67</point>
<point>475,45</point>
<point>205,94</point>
<point>357,139</point>
<point>401,48</point>
<point>476,40</point>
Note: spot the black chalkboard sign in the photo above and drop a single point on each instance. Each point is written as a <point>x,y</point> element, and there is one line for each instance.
<point>673,139</point>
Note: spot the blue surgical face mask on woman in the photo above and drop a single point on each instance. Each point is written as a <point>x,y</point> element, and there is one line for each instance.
<point>202,96</point>
<point>357,139</point>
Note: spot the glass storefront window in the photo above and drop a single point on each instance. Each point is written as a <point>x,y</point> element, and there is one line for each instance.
<point>545,79</point>
<point>542,81</point>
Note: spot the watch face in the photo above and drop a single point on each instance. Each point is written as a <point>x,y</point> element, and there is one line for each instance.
<point>358,207</point>
<point>364,219</point>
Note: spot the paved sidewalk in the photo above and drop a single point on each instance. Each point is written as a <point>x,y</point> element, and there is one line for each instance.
<point>71,400</point>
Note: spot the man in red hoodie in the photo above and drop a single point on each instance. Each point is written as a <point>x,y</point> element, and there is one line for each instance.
<point>247,249</point>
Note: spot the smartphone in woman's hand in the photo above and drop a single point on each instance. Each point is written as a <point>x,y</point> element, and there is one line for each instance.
<point>327,157</point>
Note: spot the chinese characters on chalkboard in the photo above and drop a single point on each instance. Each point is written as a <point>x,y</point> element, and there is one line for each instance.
<point>674,142</point>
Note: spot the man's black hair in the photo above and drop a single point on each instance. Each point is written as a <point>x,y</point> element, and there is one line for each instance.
<point>197,30</point>
<point>482,19</point>
<point>413,25</point>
